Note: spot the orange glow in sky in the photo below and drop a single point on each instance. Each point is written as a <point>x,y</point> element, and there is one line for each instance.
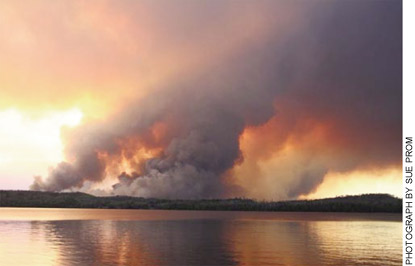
<point>359,182</point>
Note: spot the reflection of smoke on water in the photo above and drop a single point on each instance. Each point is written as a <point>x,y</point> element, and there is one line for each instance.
<point>287,243</point>
<point>200,242</point>
<point>139,243</point>
<point>184,242</point>
<point>317,243</point>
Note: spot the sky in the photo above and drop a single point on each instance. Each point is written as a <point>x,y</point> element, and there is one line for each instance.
<point>263,99</point>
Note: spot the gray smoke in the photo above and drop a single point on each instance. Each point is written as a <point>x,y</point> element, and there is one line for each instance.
<point>316,65</point>
<point>204,116</point>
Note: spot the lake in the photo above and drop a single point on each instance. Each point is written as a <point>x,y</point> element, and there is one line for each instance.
<point>35,236</point>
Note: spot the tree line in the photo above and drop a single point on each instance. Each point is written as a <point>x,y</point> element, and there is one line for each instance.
<point>361,203</point>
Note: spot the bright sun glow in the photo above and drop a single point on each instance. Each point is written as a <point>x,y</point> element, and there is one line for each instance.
<point>33,144</point>
<point>387,180</point>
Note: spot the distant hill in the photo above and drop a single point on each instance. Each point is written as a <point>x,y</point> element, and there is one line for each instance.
<point>362,203</point>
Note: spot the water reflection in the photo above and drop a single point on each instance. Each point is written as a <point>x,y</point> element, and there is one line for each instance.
<point>317,243</point>
<point>20,245</point>
<point>136,243</point>
<point>200,242</point>
<point>287,243</point>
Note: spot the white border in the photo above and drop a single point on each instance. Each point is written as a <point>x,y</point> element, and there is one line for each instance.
<point>408,108</point>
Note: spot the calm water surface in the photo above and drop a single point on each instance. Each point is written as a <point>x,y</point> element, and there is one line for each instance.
<point>30,236</point>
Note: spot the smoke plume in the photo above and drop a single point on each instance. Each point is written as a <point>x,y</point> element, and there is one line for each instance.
<point>320,82</point>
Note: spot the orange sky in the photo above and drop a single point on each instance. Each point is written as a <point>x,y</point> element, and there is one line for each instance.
<point>67,63</point>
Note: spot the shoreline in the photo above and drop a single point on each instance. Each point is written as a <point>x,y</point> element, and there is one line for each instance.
<point>366,203</point>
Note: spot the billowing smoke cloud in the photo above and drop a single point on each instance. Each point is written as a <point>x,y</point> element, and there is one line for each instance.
<point>343,110</point>
<point>300,65</point>
<point>204,117</point>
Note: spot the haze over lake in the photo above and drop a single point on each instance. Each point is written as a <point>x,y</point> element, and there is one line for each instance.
<point>141,237</point>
